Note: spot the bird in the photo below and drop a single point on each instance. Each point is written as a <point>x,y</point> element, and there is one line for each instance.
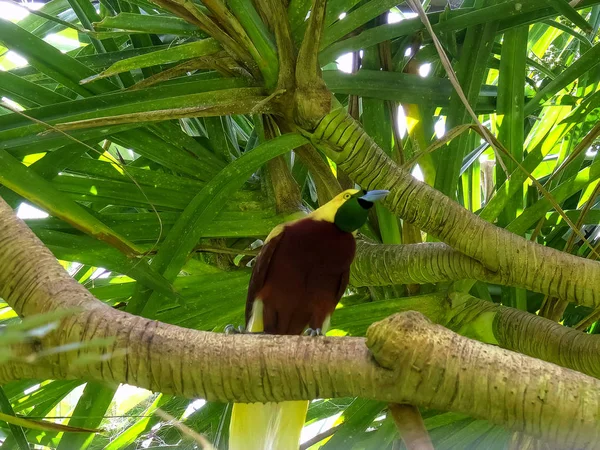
<point>297,280</point>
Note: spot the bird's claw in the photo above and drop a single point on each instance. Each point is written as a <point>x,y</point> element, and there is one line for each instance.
<point>312,333</point>
<point>230,329</point>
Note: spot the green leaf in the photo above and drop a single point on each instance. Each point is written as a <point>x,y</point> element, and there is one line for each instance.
<point>20,128</point>
<point>297,12</point>
<point>471,72</point>
<point>91,406</point>
<point>44,425</point>
<point>510,11</point>
<point>562,192</point>
<point>222,102</point>
<point>25,182</point>
<point>36,24</point>
<point>54,392</point>
<point>16,430</point>
<point>511,101</point>
<point>27,93</point>
<point>204,207</point>
<point>564,8</point>
<point>50,61</point>
<point>355,319</point>
<point>176,53</point>
<point>261,38</point>
<point>364,13</point>
<point>401,87</point>
<point>583,40</point>
<point>586,62</point>
<point>377,122</point>
<point>140,23</point>
<point>357,417</point>
<point>130,434</point>
<point>45,393</point>
<point>545,135</point>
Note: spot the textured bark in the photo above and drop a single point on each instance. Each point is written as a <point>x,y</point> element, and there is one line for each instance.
<point>552,342</point>
<point>406,359</point>
<point>509,328</point>
<point>435,262</point>
<point>428,262</point>
<point>500,251</point>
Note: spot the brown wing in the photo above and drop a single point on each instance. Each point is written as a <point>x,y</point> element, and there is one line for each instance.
<point>344,280</point>
<point>260,271</point>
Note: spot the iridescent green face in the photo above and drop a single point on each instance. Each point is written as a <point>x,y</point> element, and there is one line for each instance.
<point>354,212</point>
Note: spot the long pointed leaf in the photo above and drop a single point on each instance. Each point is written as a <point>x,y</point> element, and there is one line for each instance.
<point>27,183</point>
<point>205,206</point>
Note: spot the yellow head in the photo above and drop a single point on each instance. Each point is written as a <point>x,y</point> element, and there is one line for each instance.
<point>349,209</point>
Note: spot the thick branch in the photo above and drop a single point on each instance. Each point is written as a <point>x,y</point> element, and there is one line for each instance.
<point>535,335</point>
<point>500,251</point>
<point>429,262</point>
<point>406,359</point>
<point>435,262</point>
<point>491,323</point>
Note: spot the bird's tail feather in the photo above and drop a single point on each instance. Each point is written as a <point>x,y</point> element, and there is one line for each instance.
<point>267,426</point>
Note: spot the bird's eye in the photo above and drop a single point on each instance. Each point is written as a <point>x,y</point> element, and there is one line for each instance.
<point>346,196</point>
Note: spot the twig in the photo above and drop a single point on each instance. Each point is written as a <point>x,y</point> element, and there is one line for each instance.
<point>266,100</point>
<point>319,437</point>
<point>587,321</point>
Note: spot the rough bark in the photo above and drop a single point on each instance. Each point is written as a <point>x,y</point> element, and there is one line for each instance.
<point>406,359</point>
<point>498,250</point>
<point>435,262</point>
<point>509,328</point>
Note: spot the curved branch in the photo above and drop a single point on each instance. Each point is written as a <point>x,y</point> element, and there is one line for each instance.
<point>428,262</point>
<point>551,341</point>
<point>492,323</point>
<point>500,251</point>
<point>406,359</point>
<point>435,262</point>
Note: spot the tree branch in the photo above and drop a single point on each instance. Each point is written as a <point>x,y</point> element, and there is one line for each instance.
<point>498,250</point>
<point>491,323</point>
<point>411,427</point>
<point>406,359</point>
<point>435,262</point>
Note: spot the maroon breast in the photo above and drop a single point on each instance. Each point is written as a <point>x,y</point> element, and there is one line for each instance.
<point>307,276</point>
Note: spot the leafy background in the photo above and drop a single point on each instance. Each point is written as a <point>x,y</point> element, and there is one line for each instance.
<point>134,182</point>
